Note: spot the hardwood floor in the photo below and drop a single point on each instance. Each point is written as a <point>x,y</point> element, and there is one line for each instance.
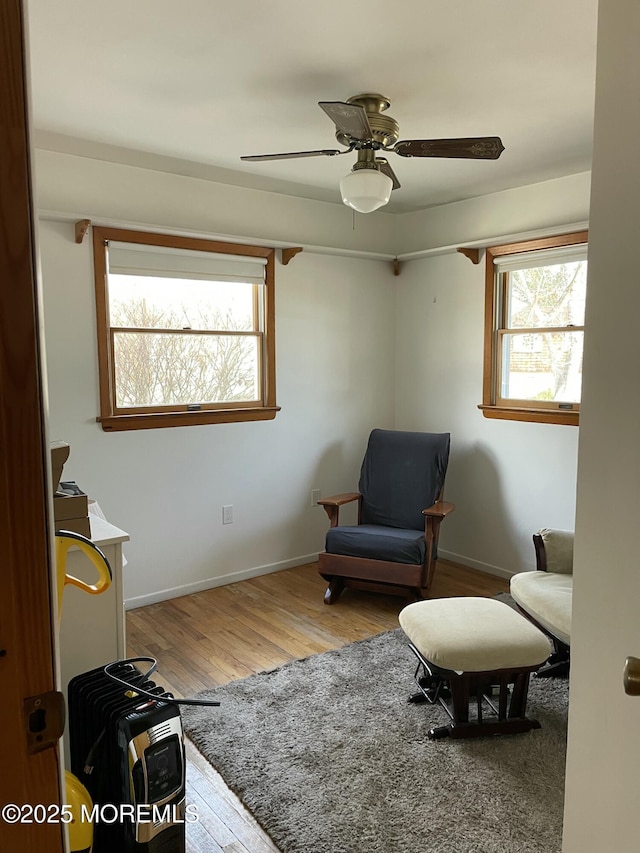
<point>212,637</point>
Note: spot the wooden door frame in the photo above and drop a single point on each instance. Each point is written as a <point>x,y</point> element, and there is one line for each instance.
<point>27,649</point>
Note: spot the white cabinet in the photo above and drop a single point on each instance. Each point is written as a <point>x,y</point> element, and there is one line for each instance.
<point>92,627</point>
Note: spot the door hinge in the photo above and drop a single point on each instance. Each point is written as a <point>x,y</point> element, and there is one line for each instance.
<point>44,718</point>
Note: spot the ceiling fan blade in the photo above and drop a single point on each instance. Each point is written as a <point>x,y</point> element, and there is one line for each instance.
<point>349,119</point>
<point>386,169</point>
<point>474,148</point>
<point>291,155</point>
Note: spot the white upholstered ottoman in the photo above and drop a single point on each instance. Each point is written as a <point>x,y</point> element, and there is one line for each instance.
<point>466,648</point>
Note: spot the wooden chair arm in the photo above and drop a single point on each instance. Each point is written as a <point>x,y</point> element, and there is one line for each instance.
<point>440,509</point>
<point>541,554</point>
<point>332,505</point>
<point>433,518</point>
<point>338,500</point>
<point>554,550</point>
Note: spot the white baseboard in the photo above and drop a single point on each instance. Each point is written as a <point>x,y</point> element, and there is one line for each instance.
<point>475,564</point>
<point>211,583</point>
<point>256,571</point>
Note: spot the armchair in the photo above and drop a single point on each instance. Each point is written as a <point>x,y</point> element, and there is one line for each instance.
<point>400,509</point>
<point>544,596</point>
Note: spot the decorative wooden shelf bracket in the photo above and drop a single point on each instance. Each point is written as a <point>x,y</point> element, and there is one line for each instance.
<point>82,226</point>
<point>287,254</point>
<point>396,266</point>
<point>474,255</point>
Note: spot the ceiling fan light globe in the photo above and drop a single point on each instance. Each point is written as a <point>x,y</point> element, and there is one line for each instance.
<point>365,190</point>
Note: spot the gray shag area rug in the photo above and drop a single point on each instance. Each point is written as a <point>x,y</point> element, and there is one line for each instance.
<point>330,758</point>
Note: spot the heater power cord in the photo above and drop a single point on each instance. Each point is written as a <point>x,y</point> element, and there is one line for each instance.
<point>169,698</point>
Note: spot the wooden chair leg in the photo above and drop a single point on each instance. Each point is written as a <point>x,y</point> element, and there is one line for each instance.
<point>336,585</point>
<point>414,593</point>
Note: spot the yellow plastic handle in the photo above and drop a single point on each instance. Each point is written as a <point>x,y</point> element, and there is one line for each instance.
<point>65,539</point>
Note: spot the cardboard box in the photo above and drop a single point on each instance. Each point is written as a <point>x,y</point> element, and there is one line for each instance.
<point>59,454</point>
<point>70,512</point>
<point>75,525</point>
<point>69,506</point>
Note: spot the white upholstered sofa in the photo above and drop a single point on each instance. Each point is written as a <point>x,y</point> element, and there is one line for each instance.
<point>545,595</point>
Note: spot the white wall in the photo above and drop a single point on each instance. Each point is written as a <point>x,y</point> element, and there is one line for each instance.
<point>356,348</point>
<point>604,723</point>
<point>549,205</point>
<point>335,362</point>
<point>101,190</point>
<point>507,478</point>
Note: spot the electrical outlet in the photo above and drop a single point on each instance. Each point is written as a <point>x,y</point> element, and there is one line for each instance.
<point>227,514</point>
<point>315,497</point>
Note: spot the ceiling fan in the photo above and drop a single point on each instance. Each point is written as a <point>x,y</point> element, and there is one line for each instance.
<point>362,126</point>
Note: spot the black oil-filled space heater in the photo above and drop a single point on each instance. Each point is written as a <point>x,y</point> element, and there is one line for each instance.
<point>127,748</point>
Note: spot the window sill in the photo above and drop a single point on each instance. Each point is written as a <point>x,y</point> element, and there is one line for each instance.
<point>159,420</point>
<point>538,416</point>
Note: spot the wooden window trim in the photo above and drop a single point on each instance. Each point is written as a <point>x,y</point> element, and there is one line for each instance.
<point>112,419</point>
<point>489,407</point>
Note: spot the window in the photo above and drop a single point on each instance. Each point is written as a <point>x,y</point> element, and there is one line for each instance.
<point>534,329</point>
<point>185,330</point>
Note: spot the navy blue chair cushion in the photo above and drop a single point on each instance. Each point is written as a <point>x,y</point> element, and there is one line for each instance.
<point>402,474</point>
<point>375,542</point>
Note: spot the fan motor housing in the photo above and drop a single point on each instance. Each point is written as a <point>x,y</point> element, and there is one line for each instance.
<point>384,129</point>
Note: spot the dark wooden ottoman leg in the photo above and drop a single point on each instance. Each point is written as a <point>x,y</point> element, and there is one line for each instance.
<point>505,718</point>
<point>519,695</point>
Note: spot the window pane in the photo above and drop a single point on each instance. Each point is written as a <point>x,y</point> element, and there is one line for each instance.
<point>553,295</point>
<point>145,302</point>
<point>169,370</point>
<point>542,366</point>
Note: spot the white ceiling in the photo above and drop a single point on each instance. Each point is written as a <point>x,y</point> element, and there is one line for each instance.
<point>190,85</point>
